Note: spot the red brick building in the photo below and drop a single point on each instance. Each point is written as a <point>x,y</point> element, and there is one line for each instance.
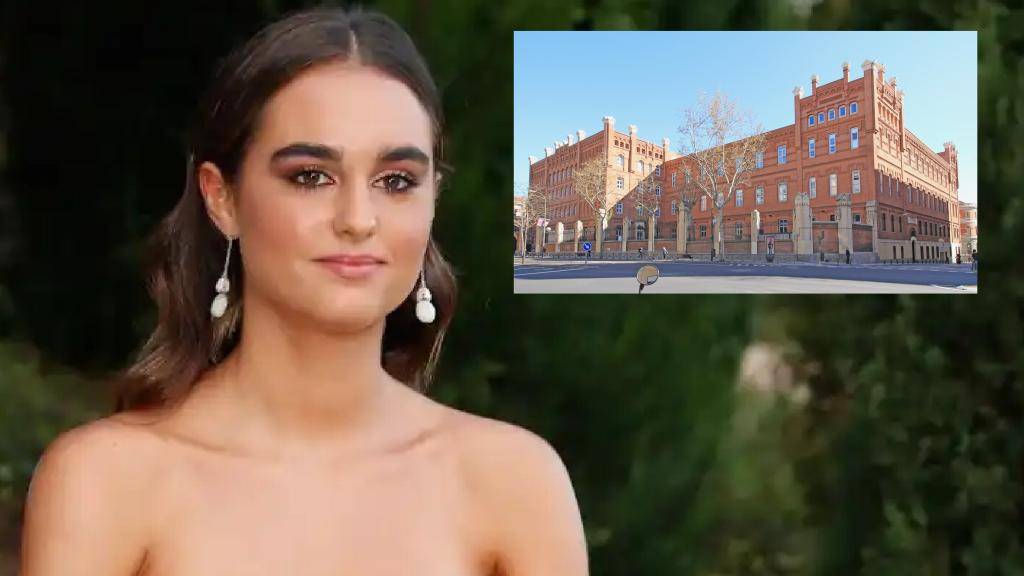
<point>848,149</point>
<point>968,230</point>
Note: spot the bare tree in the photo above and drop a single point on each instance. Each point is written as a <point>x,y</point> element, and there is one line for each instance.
<point>647,202</point>
<point>591,184</point>
<point>721,144</point>
<point>532,207</point>
<point>687,194</point>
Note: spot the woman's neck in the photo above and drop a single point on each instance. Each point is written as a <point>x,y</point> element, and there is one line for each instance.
<point>300,386</point>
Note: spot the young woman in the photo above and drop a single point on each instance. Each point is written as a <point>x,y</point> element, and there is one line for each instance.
<point>274,422</point>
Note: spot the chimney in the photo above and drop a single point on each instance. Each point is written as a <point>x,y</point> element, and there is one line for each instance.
<point>632,130</point>
<point>868,65</point>
<point>532,159</point>
<point>798,91</point>
<point>893,81</point>
<point>579,135</point>
<point>846,71</point>
<point>568,139</point>
<point>814,83</point>
<point>664,144</point>
<point>547,152</point>
<point>609,123</point>
<point>881,73</point>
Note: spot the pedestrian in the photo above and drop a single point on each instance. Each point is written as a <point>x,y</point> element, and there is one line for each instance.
<point>712,253</point>
<point>640,253</point>
<point>664,252</point>
<point>847,255</point>
<point>974,260</point>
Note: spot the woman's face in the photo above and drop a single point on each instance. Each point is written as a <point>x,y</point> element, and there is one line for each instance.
<point>334,199</point>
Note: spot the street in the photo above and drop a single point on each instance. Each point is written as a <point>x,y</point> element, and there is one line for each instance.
<point>744,277</point>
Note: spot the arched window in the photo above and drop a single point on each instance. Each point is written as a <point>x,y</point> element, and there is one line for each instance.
<point>620,161</point>
<point>640,166</point>
<point>641,231</point>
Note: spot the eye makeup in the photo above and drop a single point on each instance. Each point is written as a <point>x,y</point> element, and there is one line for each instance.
<point>309,177</point>
<point>411,162</point>
<point>393,181</point>
<point>397,181</point>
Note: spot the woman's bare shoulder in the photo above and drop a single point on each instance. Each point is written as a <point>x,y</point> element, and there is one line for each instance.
<point>522,485</point>
<point>88,491</point>
<point>494,444</point>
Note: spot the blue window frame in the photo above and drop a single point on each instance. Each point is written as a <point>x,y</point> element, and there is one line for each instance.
<point>832,143</point>
<point>810,148</point>
<point>821,117</point>
<point>810,120</point>
<point>842,111</point>
<point>853,107</point>
<point>782,154</point>
<point>831,114</point>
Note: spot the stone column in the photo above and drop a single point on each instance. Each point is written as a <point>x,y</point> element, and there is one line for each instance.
<point>625,232</point>
<point>559,230</point>
<point>845,224</point>
<point>681,225</point>
<point>578,233</point>
<point>803,229</point>
<point>599,224</point>
<point>755,226</point>
<point>873,221</point>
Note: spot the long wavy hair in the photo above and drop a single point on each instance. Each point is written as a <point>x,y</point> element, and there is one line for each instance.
<point>185,253</point>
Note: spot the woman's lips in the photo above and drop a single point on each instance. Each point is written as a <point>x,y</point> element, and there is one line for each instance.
<point>351,268</point>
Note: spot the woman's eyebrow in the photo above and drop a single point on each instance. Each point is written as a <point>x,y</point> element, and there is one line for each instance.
<point>324,152</point>
<point>308,149</point>
<point>404,153</point>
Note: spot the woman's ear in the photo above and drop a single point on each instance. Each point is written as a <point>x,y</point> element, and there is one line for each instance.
<point>218,198</point>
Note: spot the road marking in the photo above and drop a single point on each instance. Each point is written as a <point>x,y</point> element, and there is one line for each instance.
<point>953,288</point>
<point>550,271</point>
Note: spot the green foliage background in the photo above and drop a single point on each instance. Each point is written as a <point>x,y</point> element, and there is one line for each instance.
<point>906,456</point>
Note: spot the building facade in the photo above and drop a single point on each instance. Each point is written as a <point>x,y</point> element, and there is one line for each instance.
<point>629,159</point>
<point>968,229</point>
<point>846,174</point>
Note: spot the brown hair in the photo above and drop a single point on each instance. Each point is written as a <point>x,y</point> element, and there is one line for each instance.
<point>186,252</point>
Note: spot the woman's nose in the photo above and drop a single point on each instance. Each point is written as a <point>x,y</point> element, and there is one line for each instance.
<point>355,214</point>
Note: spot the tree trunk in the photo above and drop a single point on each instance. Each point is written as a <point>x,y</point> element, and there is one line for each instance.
<point>522,243</point>
<point>720,238</point>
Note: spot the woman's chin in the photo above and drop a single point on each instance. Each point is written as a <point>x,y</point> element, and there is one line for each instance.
<point>350,315</point>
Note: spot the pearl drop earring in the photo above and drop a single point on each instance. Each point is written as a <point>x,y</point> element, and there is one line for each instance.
<point>425,311</point>
<point>220,301</point>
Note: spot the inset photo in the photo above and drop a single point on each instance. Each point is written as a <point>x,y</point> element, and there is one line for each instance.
<point>745,162</point>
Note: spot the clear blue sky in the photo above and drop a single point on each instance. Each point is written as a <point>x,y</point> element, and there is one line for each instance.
<point>566,81</point>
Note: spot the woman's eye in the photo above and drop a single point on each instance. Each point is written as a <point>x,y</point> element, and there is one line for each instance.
<point>312,179</point>
<point>397,182</point>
